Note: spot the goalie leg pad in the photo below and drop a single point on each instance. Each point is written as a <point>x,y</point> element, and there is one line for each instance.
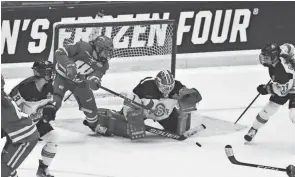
<point>177,122</point>
<point>135,124</point>
<point>184,122</point>
<point>129,126</point>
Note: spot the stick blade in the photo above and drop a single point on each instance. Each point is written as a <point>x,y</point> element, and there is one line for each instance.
<point>229,151</point>
<point>230,154</point>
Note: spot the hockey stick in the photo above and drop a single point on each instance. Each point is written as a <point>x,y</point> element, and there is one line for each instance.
<point>230,155</point>
<point>160,132</point>
<point>250,105</point>
<point>124,98</point>
<point>167,134</point>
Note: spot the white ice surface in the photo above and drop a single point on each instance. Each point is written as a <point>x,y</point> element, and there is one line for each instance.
<point>226,92</point>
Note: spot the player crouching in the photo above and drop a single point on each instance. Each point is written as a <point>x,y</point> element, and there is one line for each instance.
<point>34,97</point>
<point>165,100</point>
<point>280,61</point>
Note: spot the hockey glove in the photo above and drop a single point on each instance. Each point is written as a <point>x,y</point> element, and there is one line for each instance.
<point>188,98</point>
<point>71,71</point>
<point>49,112</point>
<point>291,171</point>
<point>264,89</point>
<point>94,82</point>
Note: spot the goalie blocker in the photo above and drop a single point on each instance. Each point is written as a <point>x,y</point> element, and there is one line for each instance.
<point>170,107</point>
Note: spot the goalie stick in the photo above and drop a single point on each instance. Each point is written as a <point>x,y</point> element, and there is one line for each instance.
<point>230,155</point>
<point>167,134</point>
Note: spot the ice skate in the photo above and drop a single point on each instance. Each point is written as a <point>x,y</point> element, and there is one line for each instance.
<point>43,170</point>
<point>250,135</point>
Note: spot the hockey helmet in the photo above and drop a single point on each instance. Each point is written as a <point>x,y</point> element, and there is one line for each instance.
<point>103,46</point>
<point>269,54</point>
<point>44,69</point>
<point>165,82</point>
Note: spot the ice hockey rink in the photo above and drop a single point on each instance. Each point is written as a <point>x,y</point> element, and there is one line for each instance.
<point>226,92</point>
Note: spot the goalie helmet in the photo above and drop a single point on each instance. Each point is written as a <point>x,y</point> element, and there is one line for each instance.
<point>269,54</point>
<point>103,47</point>
<point>165,82</point>
<point>44,69</point>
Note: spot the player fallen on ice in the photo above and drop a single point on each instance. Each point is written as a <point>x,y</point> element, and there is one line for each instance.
<point>34,96</point>
<point>21,135</point>
<point>166,101</point>
<point>280,61</point>
<point>79,68</point>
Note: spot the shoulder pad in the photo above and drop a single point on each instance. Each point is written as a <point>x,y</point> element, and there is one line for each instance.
<point>25,81</point>
<point>145,79</point>
<point>84,46</point>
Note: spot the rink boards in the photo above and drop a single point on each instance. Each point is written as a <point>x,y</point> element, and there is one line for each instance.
<point>150,63</point>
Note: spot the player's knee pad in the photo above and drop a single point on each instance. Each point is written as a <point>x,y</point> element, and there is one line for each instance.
<point>50,147</point>
<point>292,115</point>
<point>51,137</point>
<point>269,110</point>
<point>52,141</point>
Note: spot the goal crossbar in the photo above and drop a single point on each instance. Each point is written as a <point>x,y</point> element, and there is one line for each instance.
<point>93,24</point>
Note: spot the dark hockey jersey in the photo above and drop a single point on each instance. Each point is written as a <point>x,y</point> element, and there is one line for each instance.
<point>29,98</point>
<point>282,76</point>
<point>81,54</point>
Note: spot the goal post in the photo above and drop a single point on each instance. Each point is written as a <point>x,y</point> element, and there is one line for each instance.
<point>140,40</point>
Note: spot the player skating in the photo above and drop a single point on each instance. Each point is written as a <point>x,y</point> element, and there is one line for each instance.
<point>280,61</point>
<point>166,101</point>
<point>21,135</point>
<point>34,96</point>
<point>79,68</point>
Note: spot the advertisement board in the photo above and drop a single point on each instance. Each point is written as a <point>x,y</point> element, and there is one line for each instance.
<point>202,26</point>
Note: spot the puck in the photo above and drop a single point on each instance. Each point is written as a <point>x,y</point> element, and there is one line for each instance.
<point>198,144</point>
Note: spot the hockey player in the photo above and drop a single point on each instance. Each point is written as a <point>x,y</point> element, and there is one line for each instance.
<point>166,101</point>
<point>79,68</point>
<point>34,96</point>
<point>280,61</point>
<point>22,135</point>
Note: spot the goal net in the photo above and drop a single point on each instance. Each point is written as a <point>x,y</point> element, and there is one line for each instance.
<point>146,45</point>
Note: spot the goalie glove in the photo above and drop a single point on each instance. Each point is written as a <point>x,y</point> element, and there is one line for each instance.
<point>188,98</point>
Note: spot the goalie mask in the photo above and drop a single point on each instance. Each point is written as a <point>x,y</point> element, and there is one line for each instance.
<point>103,47</point>
<point>269,54</point>
<point>44,69</point>
<point>165,82</point>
